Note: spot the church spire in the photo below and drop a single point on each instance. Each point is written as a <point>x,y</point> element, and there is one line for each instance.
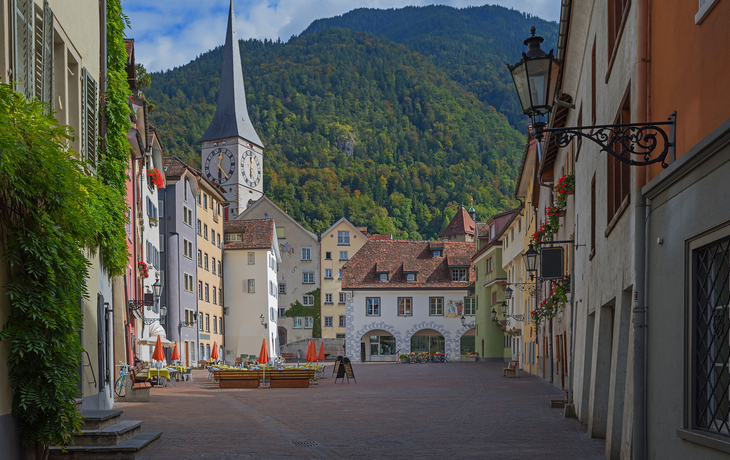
<point>231,116</point>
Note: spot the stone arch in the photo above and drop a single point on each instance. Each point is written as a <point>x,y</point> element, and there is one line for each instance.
<point>448,345</point>
<point>282,333</point>
<point>457,337</point>
<point>354,346</point>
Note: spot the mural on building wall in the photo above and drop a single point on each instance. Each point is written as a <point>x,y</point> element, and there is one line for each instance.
<point>286,248</point>
<point>454,309</point>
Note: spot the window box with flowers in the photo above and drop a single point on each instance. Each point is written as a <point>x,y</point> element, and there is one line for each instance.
<point>553,304</point>
<point>564,187</point>
<point>155,177</point>
<point>143,270</point>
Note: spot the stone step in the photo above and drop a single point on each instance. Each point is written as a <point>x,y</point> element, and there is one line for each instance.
<point>557,402</point>
<point>99,419</point>
<point>130,449</point>
<point>109,436</point>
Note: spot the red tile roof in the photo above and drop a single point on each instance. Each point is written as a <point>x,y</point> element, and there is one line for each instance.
<point>461,224</point>
<point>360,272</point>
<point>256,233</point>
<point>387,236</point>
<point>173,167</point>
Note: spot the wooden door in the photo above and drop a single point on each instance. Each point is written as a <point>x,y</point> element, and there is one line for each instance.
<point>187,355</point>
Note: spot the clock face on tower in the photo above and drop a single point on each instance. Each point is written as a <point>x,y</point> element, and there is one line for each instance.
<point>250,168</point>
<point>219,165</point>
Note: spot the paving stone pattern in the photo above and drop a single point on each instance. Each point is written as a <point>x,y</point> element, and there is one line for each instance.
<point>394,411</point>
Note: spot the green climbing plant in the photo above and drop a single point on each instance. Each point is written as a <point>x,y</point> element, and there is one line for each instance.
<point>315,311</point>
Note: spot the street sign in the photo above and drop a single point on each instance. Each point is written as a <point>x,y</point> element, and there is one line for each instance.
<point>552,265</point>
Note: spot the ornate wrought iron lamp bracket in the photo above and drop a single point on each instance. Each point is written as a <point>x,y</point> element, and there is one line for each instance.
<point>520,318</point>
<point>149,321</point>
<point>631,143</point>
<point>137,304</point>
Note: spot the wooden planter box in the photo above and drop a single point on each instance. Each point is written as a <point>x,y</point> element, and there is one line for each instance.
<point>468,358</point>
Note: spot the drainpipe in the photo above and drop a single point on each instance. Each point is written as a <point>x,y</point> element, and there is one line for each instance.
<point>640,216</point>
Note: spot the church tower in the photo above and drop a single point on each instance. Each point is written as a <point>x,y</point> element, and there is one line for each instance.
<point>232,153</point>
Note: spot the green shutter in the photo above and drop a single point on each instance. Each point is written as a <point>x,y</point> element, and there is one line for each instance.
<point>22,30</point>
<point>89,128</point>
<point>47,85</point>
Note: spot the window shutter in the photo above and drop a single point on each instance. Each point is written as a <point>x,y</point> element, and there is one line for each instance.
<point>89,136</point>
<point>22,72</point>
<point>43,55</point>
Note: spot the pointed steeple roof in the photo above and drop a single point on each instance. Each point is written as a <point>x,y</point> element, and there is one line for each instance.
<point>461,224</point>
<point>231,116</point>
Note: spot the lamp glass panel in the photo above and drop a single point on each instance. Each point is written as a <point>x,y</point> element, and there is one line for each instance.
<point>538,71</point>
<point>519,77</point>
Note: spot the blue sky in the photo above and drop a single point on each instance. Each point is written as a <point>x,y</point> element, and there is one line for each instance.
<point>171,33</point>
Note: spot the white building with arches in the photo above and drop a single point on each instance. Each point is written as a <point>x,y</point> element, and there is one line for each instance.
<point>409,296</point>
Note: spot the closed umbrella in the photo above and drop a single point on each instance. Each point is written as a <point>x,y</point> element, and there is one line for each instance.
<point>214,351</point>
<point>321,352</point>
<point>158,355</point>
<point>264,353</point>
<point>311,352</point>
<point>175,352</point>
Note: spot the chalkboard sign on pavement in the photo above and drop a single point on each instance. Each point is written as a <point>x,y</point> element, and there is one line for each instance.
<point>345,370</point>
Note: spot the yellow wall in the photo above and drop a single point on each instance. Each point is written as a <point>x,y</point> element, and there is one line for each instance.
<point>334,285</point>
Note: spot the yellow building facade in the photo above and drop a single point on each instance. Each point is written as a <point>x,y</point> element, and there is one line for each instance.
<point>338,244</point>
<point>210,240</point>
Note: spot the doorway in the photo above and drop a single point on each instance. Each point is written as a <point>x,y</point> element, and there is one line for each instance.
<point>187,355</point>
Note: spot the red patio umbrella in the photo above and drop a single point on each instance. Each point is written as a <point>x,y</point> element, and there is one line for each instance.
<point>175,352</point>
<point>311,352</point>
<point>321,351</point>
<point>158,355</point>
<point>214,351</point>
<point>264,353</point>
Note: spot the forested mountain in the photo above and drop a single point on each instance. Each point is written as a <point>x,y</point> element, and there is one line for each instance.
<point>471,44</point>
<point>354,125</point>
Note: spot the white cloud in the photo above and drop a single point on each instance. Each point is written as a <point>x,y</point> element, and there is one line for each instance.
<point>171,33</point>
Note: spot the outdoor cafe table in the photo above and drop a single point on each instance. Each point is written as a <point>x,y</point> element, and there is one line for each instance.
<point>159,373</point>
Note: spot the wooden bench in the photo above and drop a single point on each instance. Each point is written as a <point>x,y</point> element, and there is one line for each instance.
<point>511,370</point>
<point>137,388</point>
<point>237,379</point>
<point>288,356</point>
<point>290,378</point>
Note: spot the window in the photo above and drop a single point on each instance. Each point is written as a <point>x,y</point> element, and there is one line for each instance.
<point>201,323</point>
<point>189,317</point>
<point>328,273</point>
<point>618,173</point>
<point>185,191</point>
<point>213,265</point>
<point>343,238</point>
<point>593,216</point>
<point>200,258</point>
<point>233,237</point>
<point>205,260</point>
<point>205,201</point>
<point>411,277</point>
<point>282,288</point>
<point>280,232</point>
<point>199,228</point>
<point>220,270</point>
<point>490,265</point>
<point>617,9</point>
<point>205,231</point>
<point>469,306</point>
<point>220,325</point>
<point>218,236</point>
<point>308,277</point>
<point>200,290</point>
<point>252,258</point>
<point>207,290</point>
<point>297,322</point>
<point>342,321</point>
<point>383,277</point>
<point>437,253</point>
<point>214,297</point>
<point>215,324</point>
<point>459,274</point>
<point>340,273</point>
<point>198,200</point>
<point>308,322</point>
<point>307,253</point>
<point>404,306</point>
<point>220,296</point>
<point>343,255</point>
<point>494,297</point>
<point>282,312</point>
<point>436,306</point>
<point>251,286</point>
<point>188,248</point>
<point>272,314</point>
<point>308,300</point>
<point>328,298</point>
<point>372,306</point>
<point>343,297</point>
<point>188,282</point>
<point>340,336</point>
<point>328,255</point>
<point>207,323</point>
<point>710,309</point>
<point>212,236</point>
<point>705,6</point>
<point>328,321</point>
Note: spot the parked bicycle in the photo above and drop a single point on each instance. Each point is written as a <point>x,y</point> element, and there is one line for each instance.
<point>120,386</point>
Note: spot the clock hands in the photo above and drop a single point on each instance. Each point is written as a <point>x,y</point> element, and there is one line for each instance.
<point>220,158</point>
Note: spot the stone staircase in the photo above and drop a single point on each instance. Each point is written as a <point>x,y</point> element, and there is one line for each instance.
<point>105,436</point>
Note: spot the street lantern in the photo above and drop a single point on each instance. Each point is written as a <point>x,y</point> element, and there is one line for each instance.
<point>463,320</point>
<point>530,259</point>
<point>157,288</point>
<point>494,315</point>
<point>504,307</point>
<point>266,326</point>
<point>508,293</point>
<point>535,78</point>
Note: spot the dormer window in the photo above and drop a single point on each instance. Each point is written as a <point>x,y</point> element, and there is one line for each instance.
<point>437,253</point>
<point>383,277</point>
<point>459,274</point>
<point>411,277</point>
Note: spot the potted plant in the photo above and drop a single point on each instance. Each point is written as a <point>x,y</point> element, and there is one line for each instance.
<point>155,177</point>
